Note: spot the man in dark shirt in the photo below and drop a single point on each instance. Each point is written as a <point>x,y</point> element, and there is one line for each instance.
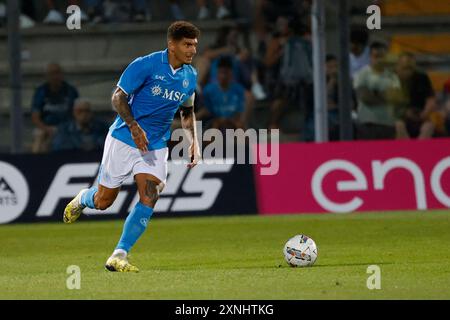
<point>419,97</point>
<point>52,104</point>
<point>83,132</point>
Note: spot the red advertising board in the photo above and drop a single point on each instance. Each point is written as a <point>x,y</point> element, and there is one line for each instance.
<point>356,176</point>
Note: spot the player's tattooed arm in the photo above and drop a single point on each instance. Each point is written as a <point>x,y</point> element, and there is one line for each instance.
<point>120,103</point>
<point>189,124</point>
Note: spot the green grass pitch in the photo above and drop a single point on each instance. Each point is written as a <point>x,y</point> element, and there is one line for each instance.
<point>234,258</point>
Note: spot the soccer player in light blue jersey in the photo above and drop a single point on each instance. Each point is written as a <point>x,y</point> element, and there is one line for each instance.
<point>149,92</point>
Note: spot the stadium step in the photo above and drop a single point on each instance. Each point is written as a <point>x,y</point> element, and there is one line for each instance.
<point>415,7</point>
<point>436,43</point>
<point>101,42</point>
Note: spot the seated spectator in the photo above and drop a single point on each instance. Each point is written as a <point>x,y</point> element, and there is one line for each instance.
<point>224,100</point>
<point>419,100</point>
<point>122,11</point>
<point>99,11</point>
<point>377,90</point>
<point>359,50</point>
<point>83,132</point>
<point>203,11</point>
<point>52,104</point>
<point>55,16</point>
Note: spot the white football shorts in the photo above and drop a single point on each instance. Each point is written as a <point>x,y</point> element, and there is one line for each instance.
<point>120,160</point>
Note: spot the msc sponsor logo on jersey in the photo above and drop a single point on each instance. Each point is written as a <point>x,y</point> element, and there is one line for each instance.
<point>172,95</point>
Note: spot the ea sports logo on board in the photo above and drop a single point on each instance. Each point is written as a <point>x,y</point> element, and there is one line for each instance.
<point>14,192</point>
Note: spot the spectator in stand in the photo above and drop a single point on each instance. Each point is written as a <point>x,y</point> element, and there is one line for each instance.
<point>331,69</point>
<point>419,100</point>
<point>83,132</point>
<point>295,74</point>
<point>203,12</point>
<point>441,118</point>
<point>228,44</point>
<point>268,11</point>
<point>121,11</point>
<point>55,16</point>
<point>447,117</point>
<point>274,52</point>
<point>224,101</point>
<point>332,103</point>
<point>100,11</point>
<point>221,13</point>
<point>27,14</point>
<point>359,50</point>
<point>377,90</point>
<point>52,104</point>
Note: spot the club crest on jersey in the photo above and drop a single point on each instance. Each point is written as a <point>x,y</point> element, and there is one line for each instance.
<point>156,90</point>
<point>185,83</point>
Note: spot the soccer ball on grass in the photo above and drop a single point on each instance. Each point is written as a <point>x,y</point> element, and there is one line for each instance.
<point>300,251</point>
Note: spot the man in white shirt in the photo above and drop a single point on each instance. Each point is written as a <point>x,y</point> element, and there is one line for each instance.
<point>377,88</point>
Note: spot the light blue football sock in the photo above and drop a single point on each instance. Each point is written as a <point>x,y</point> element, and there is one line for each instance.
<point>134,226</point>
<point>87,199</point>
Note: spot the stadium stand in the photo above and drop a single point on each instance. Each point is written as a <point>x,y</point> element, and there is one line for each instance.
<point>94,56</point>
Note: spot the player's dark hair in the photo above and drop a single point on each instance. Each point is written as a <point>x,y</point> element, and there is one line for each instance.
<point>225,62</point>
<point>182,29</point>
<point>378,45</point>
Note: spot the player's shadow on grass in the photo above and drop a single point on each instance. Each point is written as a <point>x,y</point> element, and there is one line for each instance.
<point>278,266</point>
<point>366,264</point>
<point>282,264</point>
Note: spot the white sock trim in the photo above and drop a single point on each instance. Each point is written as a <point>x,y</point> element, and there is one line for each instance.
<point>120,253</point>
<point>81,195</point>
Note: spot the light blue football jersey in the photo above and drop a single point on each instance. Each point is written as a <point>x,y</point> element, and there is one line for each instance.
<point>224,103</point>
<point>154,95</point>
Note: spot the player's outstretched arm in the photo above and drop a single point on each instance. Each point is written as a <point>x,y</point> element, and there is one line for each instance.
<point>188,124</point>
<point>120,104</point>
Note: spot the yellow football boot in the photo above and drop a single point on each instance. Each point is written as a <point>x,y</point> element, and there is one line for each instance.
<point>74,209</point>
<point>120,264</point>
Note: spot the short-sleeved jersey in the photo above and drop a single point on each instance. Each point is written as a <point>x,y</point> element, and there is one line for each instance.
<point>224,103</point>
<point>155,91</point>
